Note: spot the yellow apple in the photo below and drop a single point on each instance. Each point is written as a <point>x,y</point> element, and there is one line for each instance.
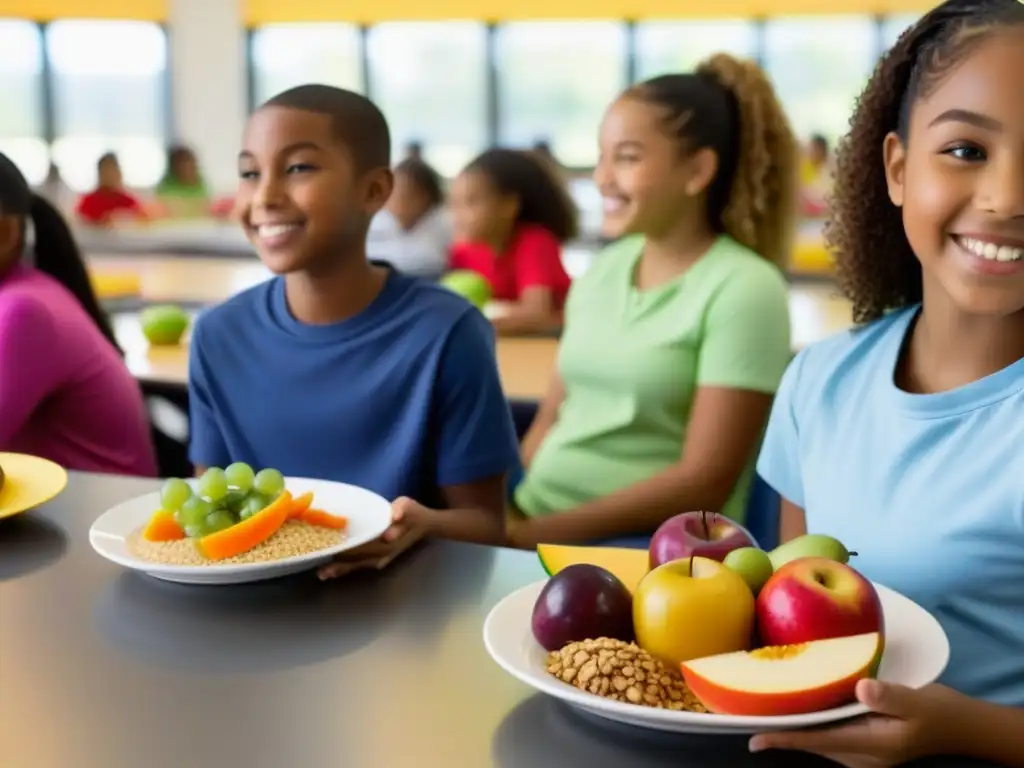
<point>691,608</point>
<point>784,680</point>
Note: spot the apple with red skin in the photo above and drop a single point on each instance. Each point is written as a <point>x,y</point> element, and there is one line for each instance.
<point>697,534</point>
<point>814,598</point>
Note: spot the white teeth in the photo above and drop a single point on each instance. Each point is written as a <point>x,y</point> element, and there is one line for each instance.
<point>613,204</point>
<point>275,230</point>
<point>991,251</point>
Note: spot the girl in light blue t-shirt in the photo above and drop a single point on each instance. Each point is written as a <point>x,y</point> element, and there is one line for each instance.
<point>903,437</point>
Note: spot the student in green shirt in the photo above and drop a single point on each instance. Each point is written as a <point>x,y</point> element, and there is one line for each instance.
<point>182,191</point>
<point>677,337</point>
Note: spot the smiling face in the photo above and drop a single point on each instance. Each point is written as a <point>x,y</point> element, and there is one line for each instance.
<point>302,201</point>
<point>645,177</point>
<point>959,179</point>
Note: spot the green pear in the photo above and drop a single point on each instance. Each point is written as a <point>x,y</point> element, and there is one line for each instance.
<point>810,545</point>
<point>752,564</point>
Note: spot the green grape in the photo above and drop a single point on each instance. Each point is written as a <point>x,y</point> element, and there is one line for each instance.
<point>218,520</point>
<point>234,500</point>
<point>194,512</point>
<point>174,494</point>
<point>254,502</point>
<point>269,482</point>
<point>213,485</point>
<point>194,531</point>
<point>240,476</point>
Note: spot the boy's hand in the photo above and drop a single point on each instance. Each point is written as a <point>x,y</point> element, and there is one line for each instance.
<point>905,724</point>
<point>408,526</point>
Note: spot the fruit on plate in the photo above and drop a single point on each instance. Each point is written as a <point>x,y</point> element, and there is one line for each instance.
<point>163,324</point>
<point>697,534</point>
<point>786,680</point>
<point>163,527</point>
<point>752,564</point>
<point>814,599</point>
<point>810,545</point>
<point>628,565</point>
<point>248,534</point>
<point>222,500</point>
<point>582,602</point>
<point>687,609</point>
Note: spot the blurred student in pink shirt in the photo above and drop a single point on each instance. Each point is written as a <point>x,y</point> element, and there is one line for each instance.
<point>65,393</point>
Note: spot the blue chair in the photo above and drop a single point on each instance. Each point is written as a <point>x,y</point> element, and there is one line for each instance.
<point>762,506</point>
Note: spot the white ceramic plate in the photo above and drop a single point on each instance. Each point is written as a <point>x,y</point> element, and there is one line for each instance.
<point>369,515</point>
<point>916,653</point>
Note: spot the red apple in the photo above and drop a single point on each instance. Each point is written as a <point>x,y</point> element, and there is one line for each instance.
<point>791,680</point>
<point>697,534</point>
<point>815,598</point>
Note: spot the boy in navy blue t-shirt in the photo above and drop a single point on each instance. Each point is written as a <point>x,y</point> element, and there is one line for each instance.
<point>340,368</point>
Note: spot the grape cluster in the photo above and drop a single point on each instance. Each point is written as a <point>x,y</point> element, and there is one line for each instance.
<point>222,497</point>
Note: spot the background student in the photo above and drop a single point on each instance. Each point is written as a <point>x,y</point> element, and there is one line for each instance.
<point>511,217</point>
<point>110,202</point>
<point>65,393</point>
<point>413,233</point>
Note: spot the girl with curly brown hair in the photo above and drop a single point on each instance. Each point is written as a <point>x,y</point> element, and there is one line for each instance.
<point>677,337</point>
<point>902,437</point>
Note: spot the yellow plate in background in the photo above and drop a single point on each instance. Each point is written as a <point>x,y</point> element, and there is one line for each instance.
<point>29,481</point>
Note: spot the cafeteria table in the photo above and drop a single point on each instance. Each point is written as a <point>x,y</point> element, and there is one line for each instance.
<point>102,667</point>
<point>525,363</point>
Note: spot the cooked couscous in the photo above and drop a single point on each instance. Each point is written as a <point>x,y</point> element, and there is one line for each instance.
<point>294,538</point>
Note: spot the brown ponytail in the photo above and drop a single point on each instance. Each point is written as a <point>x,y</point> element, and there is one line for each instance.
<point>730,107</point>
<point>761,211</point>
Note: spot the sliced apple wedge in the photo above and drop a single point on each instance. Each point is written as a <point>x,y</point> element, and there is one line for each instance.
<point>785,679</point>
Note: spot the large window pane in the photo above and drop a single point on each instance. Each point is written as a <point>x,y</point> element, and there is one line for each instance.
<point>819,67</point>
<point>555,80</point>
<point>430,79</point>
<point>664,47</point>
<point>110,94</point>
<point>286,55</point>
<point>893,27</point>
<point>21,83</point>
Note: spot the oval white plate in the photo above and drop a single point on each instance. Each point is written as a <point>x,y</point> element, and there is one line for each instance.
<point>916,653</point>
<point>369,515</point>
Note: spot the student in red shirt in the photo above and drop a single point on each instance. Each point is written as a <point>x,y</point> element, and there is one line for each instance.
<point>108,201</point>
<point>511,217</point>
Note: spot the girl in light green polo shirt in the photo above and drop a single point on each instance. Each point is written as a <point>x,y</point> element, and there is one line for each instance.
<point>677,337</point>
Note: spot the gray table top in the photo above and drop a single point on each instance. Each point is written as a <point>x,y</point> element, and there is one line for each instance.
<point>105,668</point>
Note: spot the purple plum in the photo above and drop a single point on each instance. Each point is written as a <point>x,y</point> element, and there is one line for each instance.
<point>582,602</point>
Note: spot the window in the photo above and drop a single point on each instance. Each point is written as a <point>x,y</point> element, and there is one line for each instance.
<point>678,46</point>
<point>555,80</point>
<point>819,67</point>
<point>286,55</point>
<point>430,80</point>
<point>893,27</point>
<point>110,87</point>
<point>21,107</point>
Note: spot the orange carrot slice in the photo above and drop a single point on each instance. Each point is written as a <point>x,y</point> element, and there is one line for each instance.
<point>249,533</point>
<point>163,527</point>
<point>300,504</point>
<point>324,519</point>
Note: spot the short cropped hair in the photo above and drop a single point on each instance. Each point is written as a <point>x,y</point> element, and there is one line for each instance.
<point>358,122</point>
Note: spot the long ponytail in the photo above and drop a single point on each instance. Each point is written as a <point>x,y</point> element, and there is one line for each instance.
<point>729,106</point>
<point>57,254</point>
